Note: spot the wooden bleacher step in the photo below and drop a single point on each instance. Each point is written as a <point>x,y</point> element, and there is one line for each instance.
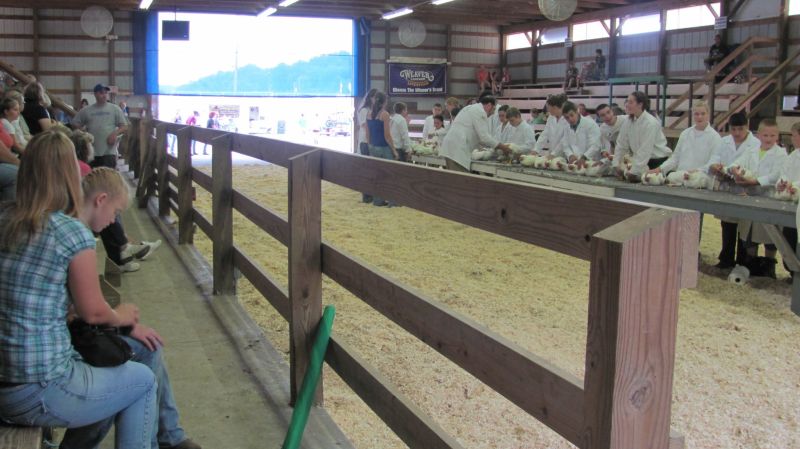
<point>18,437</point>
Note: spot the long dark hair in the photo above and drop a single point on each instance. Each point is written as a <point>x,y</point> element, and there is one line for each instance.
<point>377,104</point>
<point>367,101</point>
<point>642,99</point>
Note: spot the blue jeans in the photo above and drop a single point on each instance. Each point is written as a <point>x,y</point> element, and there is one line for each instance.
<point>166,430</point>
<point>8,182</point>
<point>85,395</point>
<point>383,153</point>
<point>363,149</point>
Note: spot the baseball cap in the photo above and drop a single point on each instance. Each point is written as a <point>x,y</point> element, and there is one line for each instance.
<point>100,87</point>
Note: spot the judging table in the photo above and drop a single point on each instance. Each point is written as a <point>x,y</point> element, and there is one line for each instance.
<point>743,204</point>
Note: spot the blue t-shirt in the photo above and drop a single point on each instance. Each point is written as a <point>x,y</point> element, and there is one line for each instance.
<point>35,345</point>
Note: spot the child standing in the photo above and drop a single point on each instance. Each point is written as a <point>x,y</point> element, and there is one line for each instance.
<point>765,164</point>
<point>739,141</point>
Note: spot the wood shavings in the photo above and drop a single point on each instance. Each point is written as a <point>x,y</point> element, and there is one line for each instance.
<point>737,361</point>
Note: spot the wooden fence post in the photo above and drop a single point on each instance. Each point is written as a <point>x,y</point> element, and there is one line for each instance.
<point>163,176</point>
<point>305,263</point>
<point>147,181</point>
<point>633,314</point>
<point>145,130</point>
<point>222,214</point>
<point>184,185</point>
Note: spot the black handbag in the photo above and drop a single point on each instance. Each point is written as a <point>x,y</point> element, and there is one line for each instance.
<point>100,346</point>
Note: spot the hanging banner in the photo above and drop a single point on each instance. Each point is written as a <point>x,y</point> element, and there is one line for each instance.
<point>417,79</point>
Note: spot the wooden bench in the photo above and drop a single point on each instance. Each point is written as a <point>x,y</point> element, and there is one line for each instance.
<point>18,437</point>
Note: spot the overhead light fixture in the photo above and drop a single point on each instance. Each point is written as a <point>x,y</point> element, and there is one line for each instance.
<point>286,3</point>
<point>268,12</point>
<point>398,13</point>
<point>145,4</point>
<point>440,2</point>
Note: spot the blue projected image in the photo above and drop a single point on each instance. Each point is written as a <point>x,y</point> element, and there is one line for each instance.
<point>249,56</point>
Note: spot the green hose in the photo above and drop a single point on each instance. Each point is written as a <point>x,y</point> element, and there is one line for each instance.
<point>306,395</point>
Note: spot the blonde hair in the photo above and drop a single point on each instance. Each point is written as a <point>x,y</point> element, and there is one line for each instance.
<point>104,180</point>
<point>83,145</point>
<point>701,104</point>
<point>48,181</point>
<point>796,127</point>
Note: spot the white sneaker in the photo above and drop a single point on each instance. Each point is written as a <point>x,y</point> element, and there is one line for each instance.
<point>129,267</point>
<point>132,250</point>
<point>154,245</point>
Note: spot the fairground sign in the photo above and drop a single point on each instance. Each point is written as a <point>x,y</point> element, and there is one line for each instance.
<point>417,79</point>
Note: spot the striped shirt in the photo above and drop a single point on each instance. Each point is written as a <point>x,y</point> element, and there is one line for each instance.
<point>35,344</point>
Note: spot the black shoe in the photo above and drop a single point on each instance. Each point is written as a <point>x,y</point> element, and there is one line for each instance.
<point>724,265</point>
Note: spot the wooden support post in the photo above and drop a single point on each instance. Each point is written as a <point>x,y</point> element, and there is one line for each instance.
<point>633,314</point>
<point>662,46</point>
<point>76,87</point>
<point>112,60</point>
<point>612,49</point>
<point>36,43</point>
<point>222,210</point>
<point>163,171</point>
<point>147,181</point>
<point>534,55</point>
<point>387,49</point>
<point>449,50</point>
<point>305,263</point>
<point>184,184</point>
<point>783,50</point>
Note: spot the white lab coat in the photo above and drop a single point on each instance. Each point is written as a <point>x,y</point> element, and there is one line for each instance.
<point>644,138</point>
<point>767,169</point>
<point>790,170</point>
<point>693,150</point>
<point>398,128</point>
<point>362,126</point>
<point>438,135</point>
<point>470,130</point>
<point>428,127</point>
<point>727,152</point>
<point>583,141</point>
<point>610,133</point>
<point>503,132</point>
<point>522,136</point>
<point>552,135</point>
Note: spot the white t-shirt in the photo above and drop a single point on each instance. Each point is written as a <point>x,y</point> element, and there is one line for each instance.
<point>362,125</point>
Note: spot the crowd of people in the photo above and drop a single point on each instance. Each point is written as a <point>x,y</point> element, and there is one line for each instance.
<point>629,144</point>
<point>60,185</point>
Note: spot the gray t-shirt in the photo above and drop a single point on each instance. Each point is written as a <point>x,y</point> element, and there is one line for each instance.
<point>100,121</point>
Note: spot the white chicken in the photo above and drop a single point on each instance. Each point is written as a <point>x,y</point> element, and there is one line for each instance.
<point>653,179</point>
<point>557,163</point>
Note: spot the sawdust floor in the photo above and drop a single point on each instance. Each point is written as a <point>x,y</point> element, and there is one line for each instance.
<point>737,371</point>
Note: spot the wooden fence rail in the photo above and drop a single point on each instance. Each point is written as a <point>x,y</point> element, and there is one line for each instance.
<point>640,257</point>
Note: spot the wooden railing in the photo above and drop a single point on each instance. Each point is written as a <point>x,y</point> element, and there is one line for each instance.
<point>640,257</point>
<point>25,78</point>
<point>757,89</point>
<point>710,78</point>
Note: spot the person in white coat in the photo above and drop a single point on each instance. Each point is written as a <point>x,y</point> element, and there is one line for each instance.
<point>765,164</point>
<point>502,131</point>
<point>469,130</point>
<point>695,145</point>
<point>548,143</point>
<point>398,128</point>
<point>521,135</point>
<point>642,136</point>
<point>739,141</point>
<point>427,128</point>
<point>581,141</point>
<point>609,129</point>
